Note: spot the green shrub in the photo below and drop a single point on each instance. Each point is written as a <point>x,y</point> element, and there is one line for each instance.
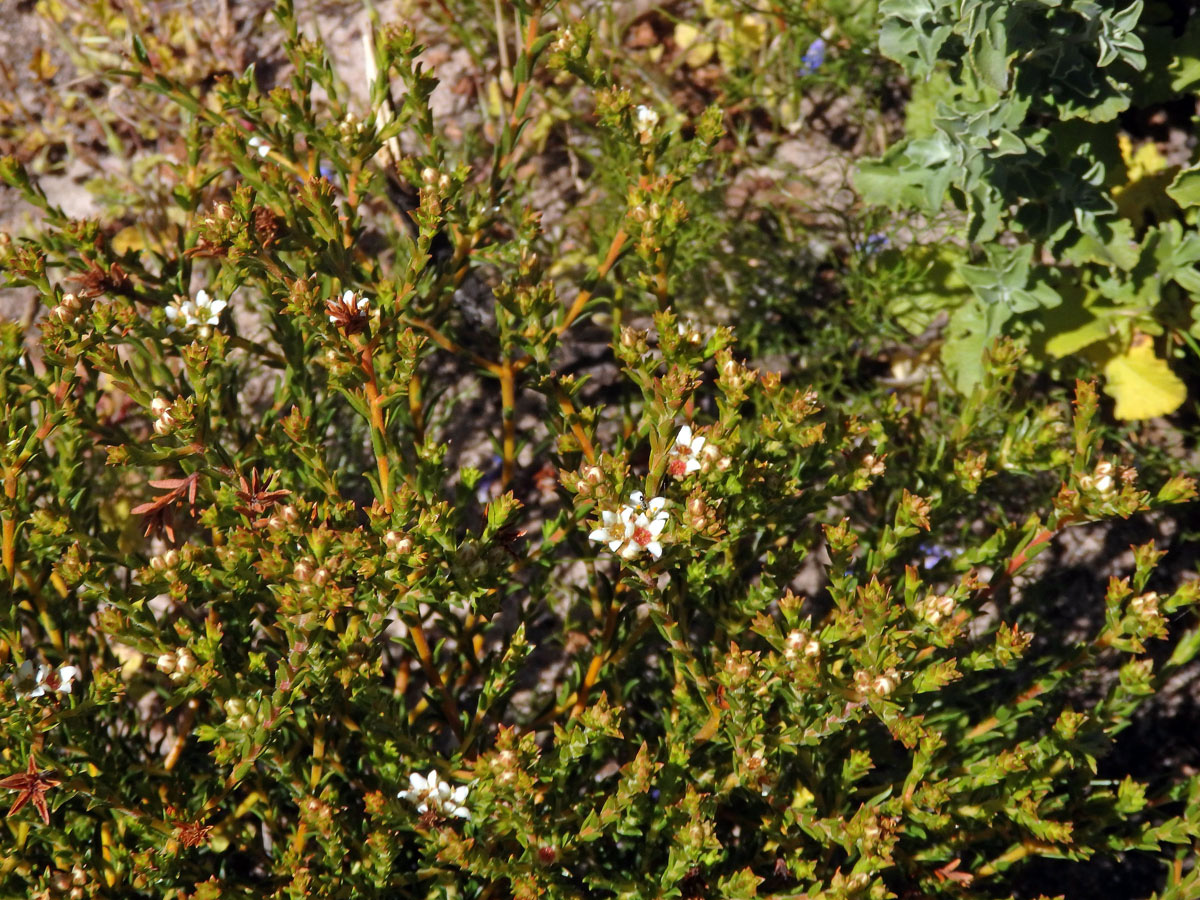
<point>329,578</point>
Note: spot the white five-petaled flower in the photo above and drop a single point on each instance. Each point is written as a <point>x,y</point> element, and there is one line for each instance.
<point>645,120</point>
<point>634,528</point>
<point>685,454</point>
<point>203,312</point>
<point>431,794</point>
<point>260,145</point>
<point>33,683</point>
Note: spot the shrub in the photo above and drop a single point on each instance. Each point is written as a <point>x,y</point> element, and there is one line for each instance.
<point>339,568</point>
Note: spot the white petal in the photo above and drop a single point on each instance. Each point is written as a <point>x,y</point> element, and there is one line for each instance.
<point>264,148</point>
<point>460,794</point>
<point>600,535</point>
<point>172,313</point>
<point>656,504</point>
<point>697,445</point>
<point>462,813</point>
<point>348,298</point>
<point>685,436</point>
<point>655,527</point>
<point>218,306</point>
<point>655,549</point>
<point>418,782</point>
<point>692,465</point>
<point>201,297</point>
<point>422,808</point>
<point>613,545</point>
<point>67,675</point>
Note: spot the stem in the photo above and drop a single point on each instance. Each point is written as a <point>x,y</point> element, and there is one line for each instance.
<point>449,707</point>
<point>597,663</point>
<point>508,405</point>
<point>374,403</point>
<point>9,550</point>
<point>415,409</point>
<point>568,411</point>
<point>185,729</point>
<point>447,344</point>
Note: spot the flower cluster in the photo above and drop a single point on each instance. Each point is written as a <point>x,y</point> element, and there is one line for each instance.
<point>433,795</point>
<point>202,313</point>
<point>634,528</point>
<point>165,421</point>
<point>31,683</point>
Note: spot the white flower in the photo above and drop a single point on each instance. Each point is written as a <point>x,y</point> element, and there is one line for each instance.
<point>260,145</point>
<point>645,119</point>
<point>684,457</point>
<point>431,794</point>
<point>31,683</point>
<point>201,313</point>
<point>615,530</point>
<point>633,528</point>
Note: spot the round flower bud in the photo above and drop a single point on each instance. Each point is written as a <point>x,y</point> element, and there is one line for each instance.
<point>303,571</point>
<point>289,514</point>
<point>235,707</point>
<point>320,576</point>
<point>171,558</point>
<point>186,661</point>
<point>166,663</point>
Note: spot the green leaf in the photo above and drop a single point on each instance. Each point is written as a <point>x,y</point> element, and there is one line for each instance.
<point>1185,189</point>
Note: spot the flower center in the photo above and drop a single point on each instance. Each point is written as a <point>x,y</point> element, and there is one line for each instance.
<point>677,466</point>
<point>642,536</point>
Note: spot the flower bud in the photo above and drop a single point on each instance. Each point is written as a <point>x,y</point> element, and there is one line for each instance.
<point>171,558</point>
<point>159,405</point>
<point>320,577</point>
<point>185,661</point>
<point>166,663</point>
<point>235,707</point>
<point>429,175</point>
<point>289,514</point>
<point>303,571</point>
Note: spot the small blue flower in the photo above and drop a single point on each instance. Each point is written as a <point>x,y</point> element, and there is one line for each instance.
<point>873,244</point>
<point>935,554</point>
<point>814,56</point>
